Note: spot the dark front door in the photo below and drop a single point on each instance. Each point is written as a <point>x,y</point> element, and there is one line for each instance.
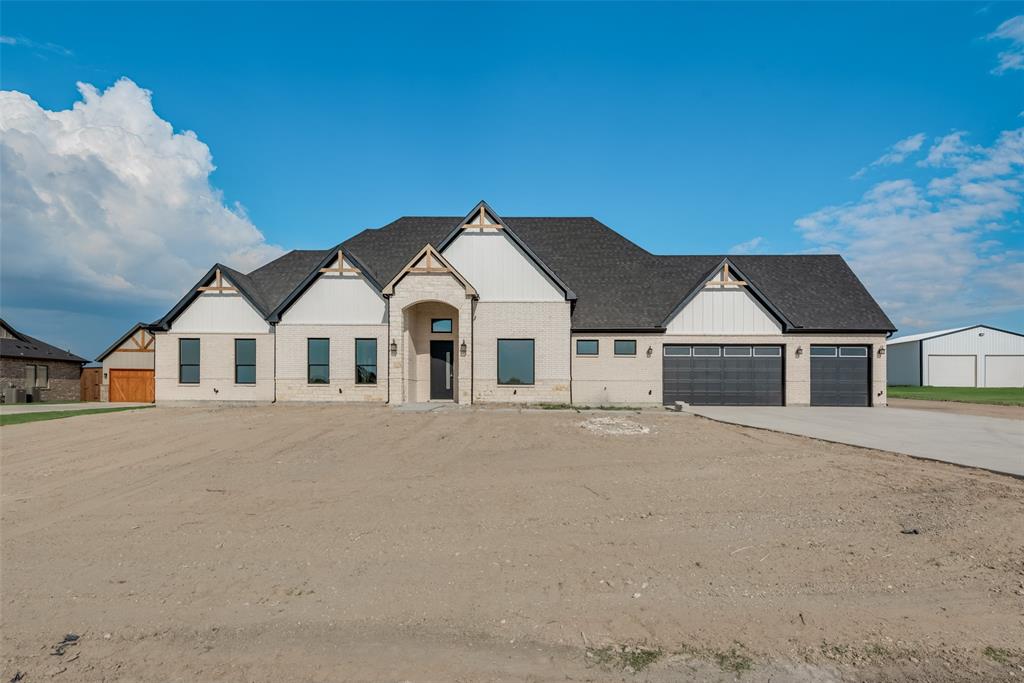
<point>441,362</point>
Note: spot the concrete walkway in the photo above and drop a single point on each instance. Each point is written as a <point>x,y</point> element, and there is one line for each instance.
<point>17,408</point>
<point>988,442</point>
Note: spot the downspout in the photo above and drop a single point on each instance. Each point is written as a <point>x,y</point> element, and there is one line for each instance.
<point>387,347</point>
<point>273,326</point>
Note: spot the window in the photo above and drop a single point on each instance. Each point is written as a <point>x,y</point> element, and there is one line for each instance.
<point>366,361</point>
<point>853,351</point>
<point>245,361</point>
<point>515,361</point>
<point>677,351</point>
<point>707,350</point>
<point>775,351</point>
<point>318,359</point>
<point>441,325</point>
<point>737,351</point>
<point>625,347</point>
<point>37,376</point>
<point>586,347</point>
<point>188,361</point>
<point>823,351</point>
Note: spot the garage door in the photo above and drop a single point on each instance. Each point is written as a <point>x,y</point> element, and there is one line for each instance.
<point>952,371</point>
<point>132,386</point>
<point>722,375</point>
<point>1004,371</point>
<point>840,376</point>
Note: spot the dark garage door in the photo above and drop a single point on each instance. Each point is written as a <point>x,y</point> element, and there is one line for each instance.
<point>840,376</point>
<point>722,375</point>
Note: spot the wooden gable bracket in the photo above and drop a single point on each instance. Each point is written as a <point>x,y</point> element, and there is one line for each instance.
<point>342,268</point>
<point>725,280</point>
<point>143,343</point>
<point>429,265</point>
<point>485,222</point>
<point>218,285</point>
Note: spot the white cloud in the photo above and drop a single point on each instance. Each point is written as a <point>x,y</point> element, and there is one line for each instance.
<point>896,154</point>
<point>27,42</point>
<point>1012,58</point>
<point>751,246</point>
<point>104,203</point>
<point>936,250</point>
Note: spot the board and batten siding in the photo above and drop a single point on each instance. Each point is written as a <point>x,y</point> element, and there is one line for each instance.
<point>498,269</point>
<point>220,312</point>
<point>723,311</point>
<point>978,342</point>
<point>338,299</point>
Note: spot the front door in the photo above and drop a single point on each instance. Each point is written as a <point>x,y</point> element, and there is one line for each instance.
<point>441,376</point>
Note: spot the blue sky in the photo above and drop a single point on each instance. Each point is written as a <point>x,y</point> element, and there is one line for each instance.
<point>689,128</point>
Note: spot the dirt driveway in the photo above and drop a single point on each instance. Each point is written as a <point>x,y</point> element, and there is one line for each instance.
<point>307,543</point>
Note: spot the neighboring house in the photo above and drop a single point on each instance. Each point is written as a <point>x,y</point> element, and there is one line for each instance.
<point>526,310</point>
<point>128,367</point>
<point>42,370</point>
<point>975,356</point>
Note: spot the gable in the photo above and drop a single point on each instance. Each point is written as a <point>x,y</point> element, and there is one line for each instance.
<point>431,263</point>
<point>498,268</point>
<point>219,309</point>
<point>724,306</point>
<point>340,295</point>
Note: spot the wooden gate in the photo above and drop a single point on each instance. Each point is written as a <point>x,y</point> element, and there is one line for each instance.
<point>89,384</point>
<point>132,386</point>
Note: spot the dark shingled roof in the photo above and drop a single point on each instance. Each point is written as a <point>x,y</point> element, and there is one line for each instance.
<point>618,284</point>
<point>23,346</point>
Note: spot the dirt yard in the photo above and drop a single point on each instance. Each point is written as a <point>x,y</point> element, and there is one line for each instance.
<point>306,543</point>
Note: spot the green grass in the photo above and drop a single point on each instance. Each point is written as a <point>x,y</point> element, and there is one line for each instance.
<point>1009,396</point>
<point>22,418</point>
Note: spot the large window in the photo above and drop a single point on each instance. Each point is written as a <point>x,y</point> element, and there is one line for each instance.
<point>625,347</point>
<point>441,325</point>
<point>515,361</point>
<point>366,361</point>
<point>586,347</point>
<point>37,376</point>
<point>318,355</point>
<point>188,361</point>
<point>245,361</point>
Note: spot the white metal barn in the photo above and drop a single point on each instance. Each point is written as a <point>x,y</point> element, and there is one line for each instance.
<point>978,356</point>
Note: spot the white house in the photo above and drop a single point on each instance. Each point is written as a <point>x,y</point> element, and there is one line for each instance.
<point>481,308</point>
<point>976,356</point>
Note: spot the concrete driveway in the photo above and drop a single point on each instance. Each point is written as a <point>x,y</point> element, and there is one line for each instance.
<point>988,442</point>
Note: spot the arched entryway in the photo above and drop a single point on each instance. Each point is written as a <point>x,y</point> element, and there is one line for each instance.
<point>432,351</point>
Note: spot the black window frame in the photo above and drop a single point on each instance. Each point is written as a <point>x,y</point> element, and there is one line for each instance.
<point>615,349</point>
<point>533,369</point>
<point>597,347</point>
<point>309,365</point>
<point>245,365</point>
<point>376,355</point>
<point>197,366</point>
<point>434,321</point>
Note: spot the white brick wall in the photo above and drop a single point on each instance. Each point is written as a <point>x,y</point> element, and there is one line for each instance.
<point>547,324</point>
<point>216,369</point>
<point>608,380</point>
<point>292,384</point>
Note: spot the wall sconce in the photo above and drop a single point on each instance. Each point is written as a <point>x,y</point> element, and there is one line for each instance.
<point>462,348</point>
<point>650,351</point>
<point>799,351</point>
<point>881,351</point>
<point>394,348</point>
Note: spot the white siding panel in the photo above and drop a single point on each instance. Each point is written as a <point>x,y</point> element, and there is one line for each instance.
<point>338,300</point>
<point>215,312</point>
<point>1004,371</point>
<point>724,311</point>
<point>952,371</point>
<point>498,269</point>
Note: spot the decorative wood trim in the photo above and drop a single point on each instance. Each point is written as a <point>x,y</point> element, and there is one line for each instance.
<point>486,222</point>
<point>433,264</point>
<point>143,343</point>
<point>725,280</point>
<point>218,285</point>
<point>342,268</point>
